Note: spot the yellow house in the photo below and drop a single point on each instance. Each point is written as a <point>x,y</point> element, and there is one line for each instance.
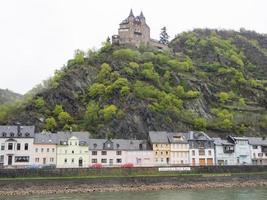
<point>161,147</point>
<point>73,150</point>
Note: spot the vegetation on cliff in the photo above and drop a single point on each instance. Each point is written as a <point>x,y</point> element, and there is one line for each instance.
<point>208,80</point>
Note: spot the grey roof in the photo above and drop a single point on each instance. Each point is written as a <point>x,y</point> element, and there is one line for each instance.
<point>45,138</point>
<point>59,137</point>
<point>118,144</point>
<point>160,137</point>
<point>198,135</point>
<point>16,131</point>
<point>171,137</point>
<point>257,141</point>
<point>219,141</point>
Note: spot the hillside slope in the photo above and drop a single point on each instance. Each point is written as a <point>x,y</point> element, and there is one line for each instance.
<point>209,80</point>
<point>7,96</point>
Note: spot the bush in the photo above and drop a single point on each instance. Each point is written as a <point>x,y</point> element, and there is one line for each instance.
<point>200,123</point>
<point>127,165</point>
<point>109,112</point>
<point>192,94</point>
<point>39,102</point>
<point>65,118</point>
<point>58,109</point>
<point>50,124</point>
<point>104,73</point>
<point>180,91</point>
<point>126,54</point>
<point>96,89</point>
<point>91,114</point>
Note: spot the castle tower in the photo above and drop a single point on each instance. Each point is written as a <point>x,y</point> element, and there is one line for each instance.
<point>133,30</point>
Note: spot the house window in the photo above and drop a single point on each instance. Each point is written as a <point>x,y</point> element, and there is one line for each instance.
<point>201,152</point>
<point>66,151</point>
<point>103,160</point>
<point>10,146</point>
<point>94,153</point>
<point>94,160</point>
<point>167,152</point>
<point>156,145</point>
<point>260,154</point>
<point>118,146</point>
<point>161,159</point>
<point>118,153</point>
<point>26,146</point>
<point>42,150</point>
<point>53,150</point>
<point>47,150</point>
<point>255,147</point>
<point>18,146</point>
<point>22,158</point>
<point>72,152</point>
<point>118,160</point>
<point>1,158</point>
<point>65,160</point>
<point>2,146</point>
<point>51,159</point>
<point>193,152</point>
<point>72,160</point>
<point>209,152</point>
<point>103,153</point>
<point>36,160</point>
<point>36,150</point>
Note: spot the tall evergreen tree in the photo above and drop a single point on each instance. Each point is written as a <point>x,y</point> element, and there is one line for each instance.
<point>164,37</point>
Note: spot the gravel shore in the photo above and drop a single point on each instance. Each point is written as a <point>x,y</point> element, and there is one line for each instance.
<point>85,188</point>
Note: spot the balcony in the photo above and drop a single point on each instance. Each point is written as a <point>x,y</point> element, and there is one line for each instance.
<point>228,149</point>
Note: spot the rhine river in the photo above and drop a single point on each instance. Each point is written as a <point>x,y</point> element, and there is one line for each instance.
<point>201,194</point>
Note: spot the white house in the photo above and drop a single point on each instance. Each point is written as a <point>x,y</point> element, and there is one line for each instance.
<point>258,150</point>
<point>201,149</point>
<point>224,152</point>
<point>72,150</point>
<point>242,150</point>
<point>16,146</point>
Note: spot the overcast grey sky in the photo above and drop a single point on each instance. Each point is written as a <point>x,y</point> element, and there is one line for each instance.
<point>39,36</point>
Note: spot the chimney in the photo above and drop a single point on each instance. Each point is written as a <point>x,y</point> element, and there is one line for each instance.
<point>18,128</point>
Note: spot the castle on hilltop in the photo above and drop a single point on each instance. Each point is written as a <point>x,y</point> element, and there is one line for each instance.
<point>135,31</point>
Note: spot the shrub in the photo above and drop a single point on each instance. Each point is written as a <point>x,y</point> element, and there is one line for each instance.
<point>127,165</point>
<point>39,102</point>
<point>126,54</point>
<point>50,124</point>
<point>224,96</point>
<point>104,73</point>
<point>96,89</point>
<point>109,112</point>
<point>200,123</point>
<point>180,91</point>
<point>91,114</point>
<point>58,109</point>
<point>64,118</point>
<point>97,166</point>
<point>192,94</point>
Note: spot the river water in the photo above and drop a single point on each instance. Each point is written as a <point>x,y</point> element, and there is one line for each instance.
<point>201,194</point>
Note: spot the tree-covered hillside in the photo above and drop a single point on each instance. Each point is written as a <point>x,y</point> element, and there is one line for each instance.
<point>209,80</point>
<point>7,96</point>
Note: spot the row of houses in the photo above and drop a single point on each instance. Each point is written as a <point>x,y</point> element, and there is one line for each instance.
<point>21,147</point>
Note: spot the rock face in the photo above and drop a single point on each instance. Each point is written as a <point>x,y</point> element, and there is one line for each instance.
<point>125,93</point>
<point>7,96</point>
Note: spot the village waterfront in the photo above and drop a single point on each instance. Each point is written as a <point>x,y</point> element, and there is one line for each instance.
<point>199,194</point>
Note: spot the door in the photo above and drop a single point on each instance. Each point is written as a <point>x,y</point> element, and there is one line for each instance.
<point>9,160</point>
<point>210,161</point>
<point>80,162</point>
<point>202,162</point>
<point>110,162</point>
<point>193,161</point>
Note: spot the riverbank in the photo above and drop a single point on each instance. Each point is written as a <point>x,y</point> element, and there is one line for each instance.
<point>128,184</point>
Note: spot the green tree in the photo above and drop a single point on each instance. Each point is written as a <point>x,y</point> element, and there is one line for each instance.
<point>180,91</point>
<point>50,124</point>
<point>65,118</point>
<point>39,102</point>
<point>241,102</point>
<point>104,73</point>
<point>58,109</point>
<point>200,123</point>
<point>109,112</point>
<point>192,94</point>
<point>164,37</point>
<point>91,115</point>
<point>96,89</point>
<point>79,57</point>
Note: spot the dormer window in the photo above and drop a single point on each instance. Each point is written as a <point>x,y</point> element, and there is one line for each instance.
<point>19,134</point>
<point>108,145</point>
<point>118,146</point>
<point>12,134</point>
<point>27,134</point>
<point>95,145</point>
<point>4,134</point>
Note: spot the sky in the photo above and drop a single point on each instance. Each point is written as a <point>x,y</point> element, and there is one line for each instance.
<point>39,36</point>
